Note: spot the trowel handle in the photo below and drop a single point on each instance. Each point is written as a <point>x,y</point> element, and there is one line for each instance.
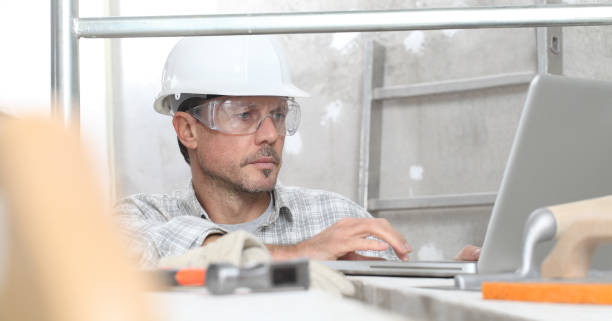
<point>581,227</point>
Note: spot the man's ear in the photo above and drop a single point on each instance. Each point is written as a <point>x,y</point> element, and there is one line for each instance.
<point>185,128</point>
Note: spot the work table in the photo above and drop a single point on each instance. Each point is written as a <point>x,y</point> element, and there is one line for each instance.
<point>437,299</point>
<point>386,298</point>
<point>192,304</point>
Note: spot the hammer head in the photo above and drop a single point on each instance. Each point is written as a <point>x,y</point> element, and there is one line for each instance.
<point>227,278</point>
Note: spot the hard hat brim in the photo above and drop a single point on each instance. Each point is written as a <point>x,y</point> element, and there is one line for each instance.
<point>162,106</point>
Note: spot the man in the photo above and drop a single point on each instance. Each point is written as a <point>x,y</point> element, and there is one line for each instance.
<point>232,104</point>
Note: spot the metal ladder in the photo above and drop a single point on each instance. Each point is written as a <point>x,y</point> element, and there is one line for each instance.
<point>549,60</point>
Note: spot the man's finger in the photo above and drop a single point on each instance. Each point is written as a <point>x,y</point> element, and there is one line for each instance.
<point>360,244</point>
<point>469,253</point>
<point>352,256</point>
<point>370,245</point>
<point>381,229</point>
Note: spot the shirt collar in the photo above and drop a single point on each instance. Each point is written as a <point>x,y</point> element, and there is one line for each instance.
<point>193,205</point>
<point>281,207</point>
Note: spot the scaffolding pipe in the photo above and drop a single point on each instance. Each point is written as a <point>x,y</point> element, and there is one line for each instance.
<point>67,28</point>
<point>65,63</point>
<point>349,21</point>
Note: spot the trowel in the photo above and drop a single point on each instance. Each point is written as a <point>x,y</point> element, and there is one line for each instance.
<point>578,228</point>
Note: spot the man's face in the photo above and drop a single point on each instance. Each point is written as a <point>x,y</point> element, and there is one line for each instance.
<point>247,163</point>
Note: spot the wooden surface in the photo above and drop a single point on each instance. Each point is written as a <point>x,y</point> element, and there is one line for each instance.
<point>65,260</point>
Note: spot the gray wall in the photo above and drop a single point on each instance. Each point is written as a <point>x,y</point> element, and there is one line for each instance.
<point>442,144</point>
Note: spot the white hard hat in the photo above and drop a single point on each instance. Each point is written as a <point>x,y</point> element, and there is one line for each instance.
<point>228,65</point>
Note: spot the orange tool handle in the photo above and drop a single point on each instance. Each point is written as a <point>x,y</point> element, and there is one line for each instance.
<point>184,277</point>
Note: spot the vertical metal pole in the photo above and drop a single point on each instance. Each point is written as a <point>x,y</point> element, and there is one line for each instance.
<point>550,50</point>
<point>65,63</point>
<point>371,124</point>
<point>113,69</point>
<point>549,46</point>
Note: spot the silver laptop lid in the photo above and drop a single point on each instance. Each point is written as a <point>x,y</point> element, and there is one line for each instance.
<point>562,152</point>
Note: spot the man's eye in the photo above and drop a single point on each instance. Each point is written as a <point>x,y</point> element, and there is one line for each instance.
<point>243,116</point>
<point>279,115</point>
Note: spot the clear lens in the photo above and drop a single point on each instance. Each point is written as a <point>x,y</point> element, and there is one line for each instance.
<point>292,121</point>
<point>244,115</point>
<point>201,113</point>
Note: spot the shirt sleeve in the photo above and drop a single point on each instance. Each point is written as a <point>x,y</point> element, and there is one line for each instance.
<point>153,235</point>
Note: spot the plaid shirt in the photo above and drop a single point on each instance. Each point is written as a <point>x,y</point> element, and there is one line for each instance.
<point>168,225</point>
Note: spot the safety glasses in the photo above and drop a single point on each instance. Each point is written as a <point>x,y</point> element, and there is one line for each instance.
<point>244,115</point>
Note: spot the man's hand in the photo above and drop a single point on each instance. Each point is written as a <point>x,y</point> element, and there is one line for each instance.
<point>341,240</point>
<point>469,253</point>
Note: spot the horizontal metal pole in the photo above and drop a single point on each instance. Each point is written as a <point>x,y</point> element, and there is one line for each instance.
<point>450,86</point>
<point>346,21</point>
<point>428,202</point>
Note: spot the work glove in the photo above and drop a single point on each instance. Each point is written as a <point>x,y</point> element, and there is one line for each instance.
<point>244,249</point>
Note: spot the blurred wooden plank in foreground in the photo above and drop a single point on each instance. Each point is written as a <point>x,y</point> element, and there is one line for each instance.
<point>65,259</point>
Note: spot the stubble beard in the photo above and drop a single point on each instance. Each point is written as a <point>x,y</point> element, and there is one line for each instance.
<point>222,179</point>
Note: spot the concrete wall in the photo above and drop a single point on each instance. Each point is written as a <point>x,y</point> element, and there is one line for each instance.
<point>455,143</point>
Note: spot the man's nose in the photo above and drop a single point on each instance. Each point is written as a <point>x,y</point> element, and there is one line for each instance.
<point>266,132</point>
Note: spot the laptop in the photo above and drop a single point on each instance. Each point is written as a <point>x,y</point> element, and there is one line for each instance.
<point>562,152</point>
